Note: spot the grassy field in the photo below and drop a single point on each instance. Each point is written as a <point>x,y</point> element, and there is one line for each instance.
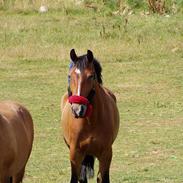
<point>142,64</point>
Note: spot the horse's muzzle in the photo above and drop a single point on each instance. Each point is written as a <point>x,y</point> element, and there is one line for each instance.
<point>79,110</point>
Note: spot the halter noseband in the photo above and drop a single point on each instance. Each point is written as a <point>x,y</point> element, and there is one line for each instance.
<point>84,101</point>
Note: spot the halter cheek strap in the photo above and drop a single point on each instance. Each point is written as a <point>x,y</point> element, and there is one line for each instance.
<point>69,91</point>
<point>69,78</point>
<point>91,95</point>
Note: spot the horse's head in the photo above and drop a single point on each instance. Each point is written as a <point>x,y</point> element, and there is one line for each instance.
<point>84,73</point>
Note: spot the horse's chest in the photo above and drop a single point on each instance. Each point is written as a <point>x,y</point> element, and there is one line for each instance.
<point>91,145</point>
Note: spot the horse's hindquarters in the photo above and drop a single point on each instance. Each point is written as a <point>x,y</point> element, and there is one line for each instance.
<point>16,137</point>
<point>24,136</point>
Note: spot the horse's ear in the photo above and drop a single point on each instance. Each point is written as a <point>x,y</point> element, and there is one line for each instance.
<point>90,56</point>
<point>73,55</point>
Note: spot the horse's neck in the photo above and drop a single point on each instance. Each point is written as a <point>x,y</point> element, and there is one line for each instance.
<point>102,97</point>
<point>99,96</point>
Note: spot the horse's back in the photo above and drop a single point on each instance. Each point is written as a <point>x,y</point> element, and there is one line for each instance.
<point>16,136</point>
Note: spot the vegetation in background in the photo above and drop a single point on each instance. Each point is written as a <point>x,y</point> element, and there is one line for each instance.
<point>168,6</point>
<point>136,3</point>
<point>156,6</point>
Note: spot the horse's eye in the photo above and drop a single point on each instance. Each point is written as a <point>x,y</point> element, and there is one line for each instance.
<point>91,77</point>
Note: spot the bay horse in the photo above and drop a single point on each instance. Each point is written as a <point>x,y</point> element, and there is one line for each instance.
<point>90,119</point>
<point>16,139</point>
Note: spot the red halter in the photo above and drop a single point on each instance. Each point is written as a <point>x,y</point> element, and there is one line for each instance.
<point>82,100</point>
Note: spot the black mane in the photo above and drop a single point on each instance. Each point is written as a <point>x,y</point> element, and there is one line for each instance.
<point>82,63</point>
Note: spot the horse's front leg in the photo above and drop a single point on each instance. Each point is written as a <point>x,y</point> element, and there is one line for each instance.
<point>76,158</point>
<point>104,166</point>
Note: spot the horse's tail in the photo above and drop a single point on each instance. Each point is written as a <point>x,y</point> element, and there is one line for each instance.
<point>87,168</point>
<point>10,180</point>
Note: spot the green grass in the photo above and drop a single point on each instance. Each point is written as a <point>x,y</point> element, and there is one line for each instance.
<point>142,63</point>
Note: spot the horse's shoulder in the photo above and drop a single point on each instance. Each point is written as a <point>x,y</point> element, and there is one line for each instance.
<point>110,93</point>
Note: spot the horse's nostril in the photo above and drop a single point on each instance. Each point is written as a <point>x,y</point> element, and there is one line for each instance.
<point>82,109</point>
<point>74,113</point>
<point>75,110</point>
<point>78,110</point>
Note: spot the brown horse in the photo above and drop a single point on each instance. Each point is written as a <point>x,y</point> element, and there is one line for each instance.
<point>90,119</point>
<point>16,138</point>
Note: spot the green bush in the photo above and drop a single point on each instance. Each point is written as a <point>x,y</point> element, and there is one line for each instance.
<point>180,5</point>
<point>112,4</point>
<point>136,3</point>
<point>180,2</point>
